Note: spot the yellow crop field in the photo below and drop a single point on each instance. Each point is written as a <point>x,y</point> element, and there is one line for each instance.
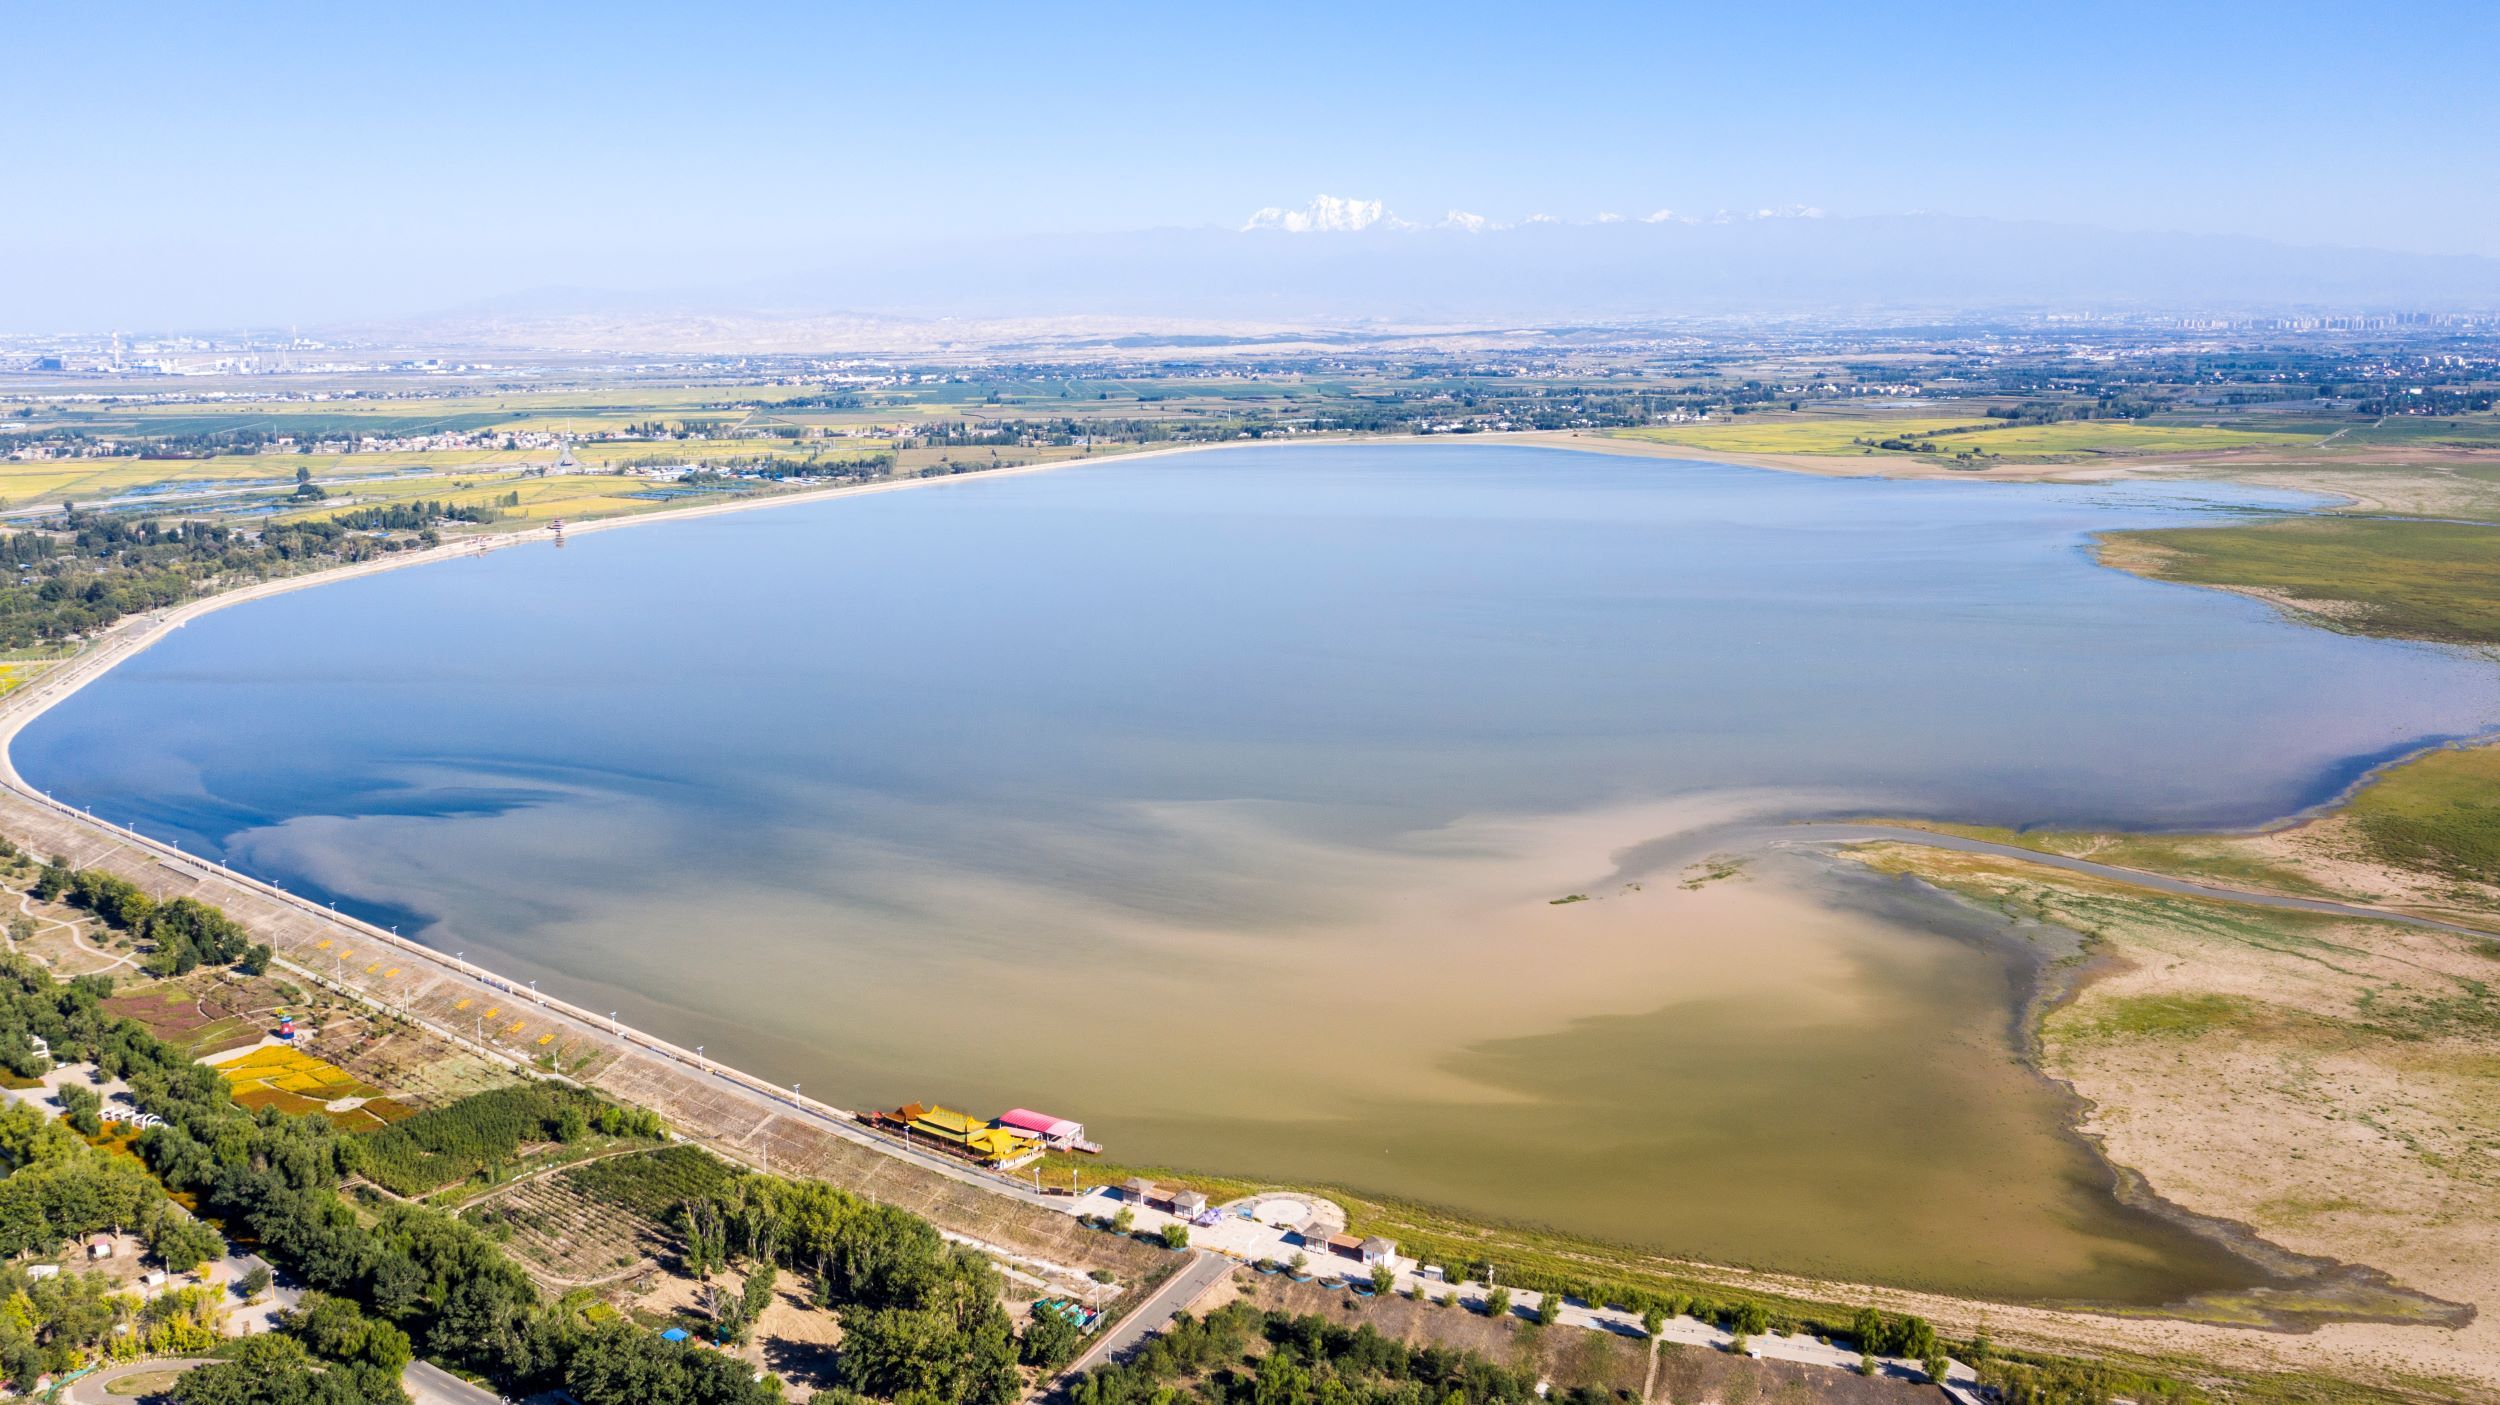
<point>542,499</point>
<point>1815,434</point>
<point>297,1082</point>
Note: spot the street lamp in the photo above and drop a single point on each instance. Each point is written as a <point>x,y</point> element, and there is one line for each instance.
<point>698,1056</point>
<point>612,1025</point>
<point>534,992</point>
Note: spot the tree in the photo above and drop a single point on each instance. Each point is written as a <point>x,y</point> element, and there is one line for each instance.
<point>1176,1236</point>
<point>1935,1364</point>
<point>757,1295</point>
<point>1497,1302</point>
<point>256,959</point>
<point>895,1351</point>
<point>1652,1321</point>
<point>337,1330</point>
<point>1548,1308</point>
<point>706,1242</point>
<point>253,1283</point>
<point>1125,1220</point>
<point>182,1243</point>
<point>82,1108</point>
<point>1050,1340</point>
<point>1384,1278</point>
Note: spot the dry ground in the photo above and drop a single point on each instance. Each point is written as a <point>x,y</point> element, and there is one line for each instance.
<point>2333,1084</point>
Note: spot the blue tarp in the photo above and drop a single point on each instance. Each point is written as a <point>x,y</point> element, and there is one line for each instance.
<point>675,1334</point>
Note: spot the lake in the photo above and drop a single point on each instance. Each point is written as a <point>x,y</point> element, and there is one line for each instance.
<point>1222,801</point>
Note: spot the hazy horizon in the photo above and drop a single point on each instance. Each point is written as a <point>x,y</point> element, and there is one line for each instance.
<point>268,165</point>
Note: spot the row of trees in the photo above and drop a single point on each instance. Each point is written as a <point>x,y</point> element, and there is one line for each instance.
<point>1240,1355</point>
<point>419,515</point>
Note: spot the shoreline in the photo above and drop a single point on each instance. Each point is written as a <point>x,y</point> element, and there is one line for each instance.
<point>128,638</point>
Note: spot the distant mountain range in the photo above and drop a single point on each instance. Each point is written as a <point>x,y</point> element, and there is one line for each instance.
<point>1348,264</point>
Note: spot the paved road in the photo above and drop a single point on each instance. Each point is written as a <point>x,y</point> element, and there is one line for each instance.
<point>428,1384</point>
<point>2134,877</point>
<point>1203,1271</point>
<point>89,1390</point>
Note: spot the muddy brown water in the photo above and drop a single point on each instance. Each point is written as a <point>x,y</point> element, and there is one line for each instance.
<point>1221,803</point>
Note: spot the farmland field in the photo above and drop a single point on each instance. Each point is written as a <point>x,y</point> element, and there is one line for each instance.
<point>1805,434</point>
<point>201,1018</point>
<point>449,1145</point>
<point>419,1070</point>
<point>601,1218</point>
<point>566,1236</point>
<point>296,1082</point>
<point>1821,434</point>
<point>651,1183</point>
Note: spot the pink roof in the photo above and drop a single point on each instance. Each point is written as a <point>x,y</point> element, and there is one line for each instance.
<point>1027,1120</point>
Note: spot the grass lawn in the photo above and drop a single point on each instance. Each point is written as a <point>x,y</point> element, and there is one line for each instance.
<point>143,1385</point>
<point>2406,580</point>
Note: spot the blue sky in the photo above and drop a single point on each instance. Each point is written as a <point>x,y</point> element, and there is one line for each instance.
<point>260,162</point>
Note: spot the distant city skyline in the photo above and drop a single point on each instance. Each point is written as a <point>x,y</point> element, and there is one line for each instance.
<point>270,164</point>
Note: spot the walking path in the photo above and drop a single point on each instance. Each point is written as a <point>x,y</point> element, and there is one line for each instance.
<point>91,1389</point>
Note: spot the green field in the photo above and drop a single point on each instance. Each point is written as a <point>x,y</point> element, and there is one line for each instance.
<point>2438,813</point>
<point>2406,580</point>
<point>1798,434</point>
<point>652,1183</point>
